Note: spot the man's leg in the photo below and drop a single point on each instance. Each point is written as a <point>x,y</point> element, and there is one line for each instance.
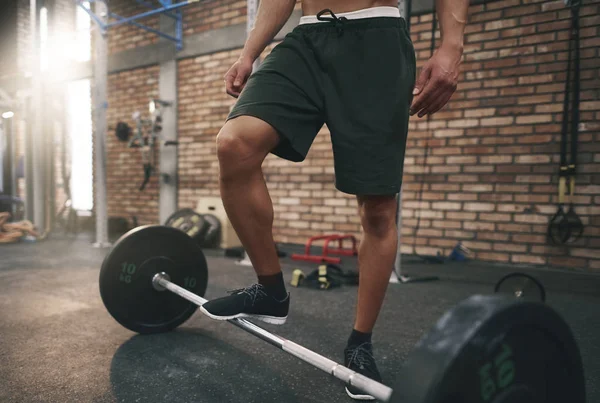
<point>242,145</point>
<point>376,256</point>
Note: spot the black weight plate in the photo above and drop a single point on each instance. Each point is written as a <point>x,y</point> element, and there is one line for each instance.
<point>521,285</point>
<point>127,271</point>
<point>190,222</point>
<point>493,349</point>
<point>211,238</point>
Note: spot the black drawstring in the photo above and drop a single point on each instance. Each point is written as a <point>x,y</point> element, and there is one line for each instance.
<point>337,21</point>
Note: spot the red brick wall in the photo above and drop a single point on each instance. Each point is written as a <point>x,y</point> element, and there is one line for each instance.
<point>213,14</point>
<point>490,180</point>
<point>490,177</point>
<point>125,36</point>
<point>203,107</point>
<point>129,91</point>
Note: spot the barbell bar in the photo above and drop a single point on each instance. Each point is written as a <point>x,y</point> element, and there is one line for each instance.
<point>379,391</point>
<point>488,348</point>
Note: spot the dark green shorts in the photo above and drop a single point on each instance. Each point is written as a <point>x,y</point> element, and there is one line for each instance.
<point>356,76</point>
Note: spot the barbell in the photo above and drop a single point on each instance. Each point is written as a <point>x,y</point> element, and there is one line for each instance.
<point>487,349</point>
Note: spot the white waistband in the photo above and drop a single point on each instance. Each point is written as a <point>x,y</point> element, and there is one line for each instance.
<point>358,14</point>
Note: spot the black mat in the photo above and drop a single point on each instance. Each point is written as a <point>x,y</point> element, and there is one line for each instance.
<point>58,344</point>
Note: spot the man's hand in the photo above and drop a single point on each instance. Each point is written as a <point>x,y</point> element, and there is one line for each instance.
<point>237,76</point>
<point>437,82</point>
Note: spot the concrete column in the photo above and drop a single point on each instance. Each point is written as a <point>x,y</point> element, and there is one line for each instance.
<point>36,189</point>
<point>100,126</point>
<point>167,91</point>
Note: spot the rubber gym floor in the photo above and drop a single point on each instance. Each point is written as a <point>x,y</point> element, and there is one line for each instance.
<point>58,343</point>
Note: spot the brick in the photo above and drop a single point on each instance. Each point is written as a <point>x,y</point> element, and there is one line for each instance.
<point>518,71</point>
<point>461,160</point>
<point>520,31</point>
<point>495,257</point>
<point>539,38</point>
<point>463,178</point>
<point>463,216</point>
<point>455,234</point>
<point>445,187</point>
<point>479,226</point>
<point>532,179</point>
<point>480,112</point>
<point>531,218</point>
<point>479,207</point>
<point>509,247</point>
<point>530,259</point>
<point>495,197</point>
<point>335,202</point>
<point>446,206</point>
<point>482,36</point>
<point>432,196</point>
<point>535,99</point>
<point>532,159</point>
<point>448,133</point>
<point>587,253</point>
<point>529,239</point>
<point>481,187</point>
<point>517,90</point>
<point>492,236</point>
<point>448,243</point>
<point>497,121</point>
<point>479,150</point>
<point>515,110</point>
<point>512,188</point>
<point>500,82</point>
<point>517,51</point>
<point>567,261</point>
<point>523,10</point>
<point>462,123</point>
<point>495,217</point>
<point>496,159</point>
<point>500,24</point>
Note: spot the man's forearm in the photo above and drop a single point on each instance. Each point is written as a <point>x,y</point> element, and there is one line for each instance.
<point>452,15</point>
<point>270,18</point>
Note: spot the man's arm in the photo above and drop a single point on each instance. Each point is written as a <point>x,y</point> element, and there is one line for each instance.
<point>439,76</point>
<point>270,18</point>
<point>452,17</point>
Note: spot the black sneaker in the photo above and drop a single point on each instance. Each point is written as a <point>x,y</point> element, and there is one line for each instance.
<point>360,359</point>
<point>250,302</point>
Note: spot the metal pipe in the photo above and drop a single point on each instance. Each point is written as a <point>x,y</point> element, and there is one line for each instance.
<point>377,390</point>
<point>151,6</point>
<point>142,26</point>
<point>149,13</point>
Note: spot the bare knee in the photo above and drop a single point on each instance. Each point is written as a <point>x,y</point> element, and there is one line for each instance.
<point>242,146</point>
<point>378,214</point>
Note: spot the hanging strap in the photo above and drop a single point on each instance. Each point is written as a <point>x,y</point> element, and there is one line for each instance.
<point>570,115</point>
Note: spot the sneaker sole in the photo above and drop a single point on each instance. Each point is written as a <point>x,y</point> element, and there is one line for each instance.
<point>359,397</point>
<point>273,320</point>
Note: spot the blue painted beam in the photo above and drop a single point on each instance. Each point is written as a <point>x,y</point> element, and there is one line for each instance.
<point>144,27</point>
<point>151,6</point>
<point>149,13</point>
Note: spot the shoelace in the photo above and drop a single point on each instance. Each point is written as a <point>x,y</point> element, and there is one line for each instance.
<point>337,21</point>
<point>361,355</point>
<point>254,291</point>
